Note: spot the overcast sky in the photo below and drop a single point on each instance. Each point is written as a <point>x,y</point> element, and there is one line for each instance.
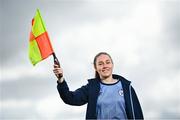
<point>143,38</point>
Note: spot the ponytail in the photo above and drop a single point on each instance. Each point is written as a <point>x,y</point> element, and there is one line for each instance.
<point>96,74</point>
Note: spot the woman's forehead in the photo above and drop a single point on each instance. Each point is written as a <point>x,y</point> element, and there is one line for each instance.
<point>103,57</point>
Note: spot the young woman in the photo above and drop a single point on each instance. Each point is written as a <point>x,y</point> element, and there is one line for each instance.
<point>108,96</point>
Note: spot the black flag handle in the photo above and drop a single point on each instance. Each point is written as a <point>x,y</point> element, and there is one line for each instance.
<point>56,61</point>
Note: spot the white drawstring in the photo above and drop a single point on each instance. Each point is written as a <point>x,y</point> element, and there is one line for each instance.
<point>131,102</point>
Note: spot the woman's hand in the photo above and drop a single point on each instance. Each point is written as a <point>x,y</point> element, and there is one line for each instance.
<point>58,72</point>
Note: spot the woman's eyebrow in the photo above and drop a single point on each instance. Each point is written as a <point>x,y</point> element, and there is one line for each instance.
<point>100,62</point>
<point>108,60</point>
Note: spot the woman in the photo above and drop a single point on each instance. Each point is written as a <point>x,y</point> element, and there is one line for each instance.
<point>108,96</point>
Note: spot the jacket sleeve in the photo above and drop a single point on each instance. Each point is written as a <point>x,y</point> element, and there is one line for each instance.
<point>136,105</point>
<point>77,97</point>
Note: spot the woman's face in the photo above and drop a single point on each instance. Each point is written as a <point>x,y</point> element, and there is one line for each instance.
<point>104,66</point>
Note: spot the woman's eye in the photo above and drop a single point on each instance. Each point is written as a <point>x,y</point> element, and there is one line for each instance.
<point>108,62</point>
<point>100,64</point>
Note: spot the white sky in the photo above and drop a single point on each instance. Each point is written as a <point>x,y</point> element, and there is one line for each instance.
<point>141,36</point>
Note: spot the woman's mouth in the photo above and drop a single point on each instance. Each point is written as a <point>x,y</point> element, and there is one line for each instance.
<point>105,70</point>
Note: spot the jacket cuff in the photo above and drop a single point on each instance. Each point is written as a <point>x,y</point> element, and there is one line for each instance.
<point>61,84</point>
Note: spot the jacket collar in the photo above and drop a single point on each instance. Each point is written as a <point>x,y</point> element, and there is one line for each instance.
<point>115,76</point>
<point>124,80</point>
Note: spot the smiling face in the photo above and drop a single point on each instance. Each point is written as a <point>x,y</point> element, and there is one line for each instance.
<point>104,66</point>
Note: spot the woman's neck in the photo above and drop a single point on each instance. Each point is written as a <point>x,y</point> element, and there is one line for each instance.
<point>108,80</point>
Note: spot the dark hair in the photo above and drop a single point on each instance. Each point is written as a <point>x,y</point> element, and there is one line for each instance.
<point>95,59</point>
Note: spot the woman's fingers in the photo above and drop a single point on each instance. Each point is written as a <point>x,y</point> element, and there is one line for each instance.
<point>56,66</point>
<point>58,71</point>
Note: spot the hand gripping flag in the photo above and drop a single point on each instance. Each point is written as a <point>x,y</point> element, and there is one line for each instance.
<point>39,43</point>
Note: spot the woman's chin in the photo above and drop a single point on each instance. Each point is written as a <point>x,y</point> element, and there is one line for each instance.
<point>104,76</point>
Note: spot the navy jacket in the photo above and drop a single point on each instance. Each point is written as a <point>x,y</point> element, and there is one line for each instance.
<point>89,94</point>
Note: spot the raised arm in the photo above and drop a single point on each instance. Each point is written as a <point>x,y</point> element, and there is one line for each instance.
<point>77,97</point>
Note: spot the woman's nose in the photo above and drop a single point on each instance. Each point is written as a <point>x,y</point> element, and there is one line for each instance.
<point>104,65</point>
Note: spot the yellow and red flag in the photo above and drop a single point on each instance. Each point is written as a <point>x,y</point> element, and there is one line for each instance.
<point>39,43</point>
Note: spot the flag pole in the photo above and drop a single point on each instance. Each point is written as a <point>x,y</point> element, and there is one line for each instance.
<point>56,61</point>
